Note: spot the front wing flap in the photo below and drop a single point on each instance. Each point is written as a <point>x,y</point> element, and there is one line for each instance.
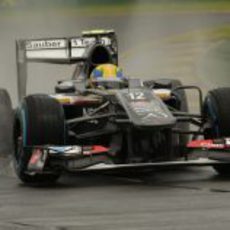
<point>65,156</point>
<point>217,149</point>
<point>153,165</point>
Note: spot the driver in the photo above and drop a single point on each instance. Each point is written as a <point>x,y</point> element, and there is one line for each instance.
<point>107,76</point>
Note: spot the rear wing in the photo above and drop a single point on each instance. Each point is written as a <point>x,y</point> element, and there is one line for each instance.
<point>62,51</point>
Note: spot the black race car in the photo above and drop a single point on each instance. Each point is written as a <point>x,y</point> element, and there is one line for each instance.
<point>141,125</point>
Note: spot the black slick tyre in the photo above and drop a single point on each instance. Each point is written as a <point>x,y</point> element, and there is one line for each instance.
<point>38,121</point>
<point>6,123</point>
<point>216,111</point>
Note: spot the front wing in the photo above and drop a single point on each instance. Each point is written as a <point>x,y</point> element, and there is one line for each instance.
<point>98,158</point>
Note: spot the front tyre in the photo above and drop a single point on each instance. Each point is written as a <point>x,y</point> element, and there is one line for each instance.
<point>6,123</point>
<point>39,121</point>
<point>216,111</point>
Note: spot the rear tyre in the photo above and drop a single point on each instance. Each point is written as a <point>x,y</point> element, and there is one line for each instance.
<point>6,123</point>
<point>216,111</point>
<point>39,121</point>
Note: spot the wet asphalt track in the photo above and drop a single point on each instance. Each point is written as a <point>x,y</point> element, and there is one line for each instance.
<point>182,200</point>
<point>185,199</point>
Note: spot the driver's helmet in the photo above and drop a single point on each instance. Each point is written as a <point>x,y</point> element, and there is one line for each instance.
<point>107,76</point>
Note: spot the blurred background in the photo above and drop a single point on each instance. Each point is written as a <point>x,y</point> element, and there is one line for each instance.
<point>184,39</point>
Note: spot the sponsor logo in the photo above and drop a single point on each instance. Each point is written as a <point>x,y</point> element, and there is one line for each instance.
<point>148,111</point>
<point>45,44</point>
<point>205,144</point>
<point>211,146</point>
<point>84,42</point>
<point>66,150</point>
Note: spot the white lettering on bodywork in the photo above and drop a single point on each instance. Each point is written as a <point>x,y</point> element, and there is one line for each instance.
<point>45,44</point>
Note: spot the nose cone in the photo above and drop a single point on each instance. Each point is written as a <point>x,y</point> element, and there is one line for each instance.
<point>144,109</point>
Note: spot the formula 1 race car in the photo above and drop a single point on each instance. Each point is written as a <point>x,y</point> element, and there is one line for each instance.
<point>106,124</point>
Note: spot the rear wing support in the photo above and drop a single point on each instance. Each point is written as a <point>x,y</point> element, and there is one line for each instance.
<point>21,69</point>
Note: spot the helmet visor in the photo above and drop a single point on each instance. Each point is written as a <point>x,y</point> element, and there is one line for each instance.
<point>109,84</point>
